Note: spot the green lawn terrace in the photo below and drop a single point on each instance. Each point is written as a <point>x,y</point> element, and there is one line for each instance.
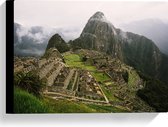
<point>74,60</point>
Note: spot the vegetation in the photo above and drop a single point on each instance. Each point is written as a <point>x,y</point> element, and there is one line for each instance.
<point>154,93</point>
<point>65,106</point>
<point>30,82</point>
<point>57,42</point>
<point>132,79</point>
<point>74,60</point>
<point>25,102</point>
<point>109,92</point>
<point>100,76</point>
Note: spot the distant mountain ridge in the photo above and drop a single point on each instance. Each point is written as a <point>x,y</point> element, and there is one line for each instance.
<point>138,51</point>
<point>154,29</point>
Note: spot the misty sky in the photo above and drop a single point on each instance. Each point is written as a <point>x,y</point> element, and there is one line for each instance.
<point>69,18</point>
<point>64,14</point>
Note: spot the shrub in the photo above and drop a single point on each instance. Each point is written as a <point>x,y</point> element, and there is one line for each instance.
<point>30,82</point>
<point>155,94</point>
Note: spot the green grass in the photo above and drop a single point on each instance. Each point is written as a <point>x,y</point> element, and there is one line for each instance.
<point>100,76</point>
<point>74,60</point>
<point>25,102</point>
<point>72,57</point>
<point>65,106</point>
<point>133,78</point>
<point>108,93</point>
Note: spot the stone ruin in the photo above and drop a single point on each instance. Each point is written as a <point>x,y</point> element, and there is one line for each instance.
<point>88,87</point>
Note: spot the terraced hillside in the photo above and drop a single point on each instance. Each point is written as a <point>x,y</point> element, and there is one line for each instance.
<point>89,77</point>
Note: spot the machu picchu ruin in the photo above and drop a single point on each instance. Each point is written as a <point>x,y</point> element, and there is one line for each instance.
<point>87,76</point>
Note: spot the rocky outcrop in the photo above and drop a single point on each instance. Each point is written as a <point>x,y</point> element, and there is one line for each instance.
<point>99,34</point>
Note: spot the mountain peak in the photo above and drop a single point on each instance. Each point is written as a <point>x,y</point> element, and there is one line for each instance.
<point>98,16</point>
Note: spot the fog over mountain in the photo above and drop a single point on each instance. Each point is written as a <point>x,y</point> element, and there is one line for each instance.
<point>32,41</point>
<point>154,29</point>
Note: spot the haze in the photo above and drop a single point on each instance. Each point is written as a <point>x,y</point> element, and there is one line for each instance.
<point>63,14</point>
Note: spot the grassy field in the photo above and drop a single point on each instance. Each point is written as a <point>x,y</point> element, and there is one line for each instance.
<point>65,106</point>
<point>133,78</point>
<point>25,102</point>
<point>74,60</point>
<point>109,93</point>
<point>100,76</point>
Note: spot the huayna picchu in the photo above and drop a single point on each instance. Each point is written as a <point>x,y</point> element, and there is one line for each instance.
<point>104,70</point>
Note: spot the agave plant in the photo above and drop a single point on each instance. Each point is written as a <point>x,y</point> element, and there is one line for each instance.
<point>30,82</point>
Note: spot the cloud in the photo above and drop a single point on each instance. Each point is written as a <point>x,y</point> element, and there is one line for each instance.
<point>32,41</point>
<point>154,29</point>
